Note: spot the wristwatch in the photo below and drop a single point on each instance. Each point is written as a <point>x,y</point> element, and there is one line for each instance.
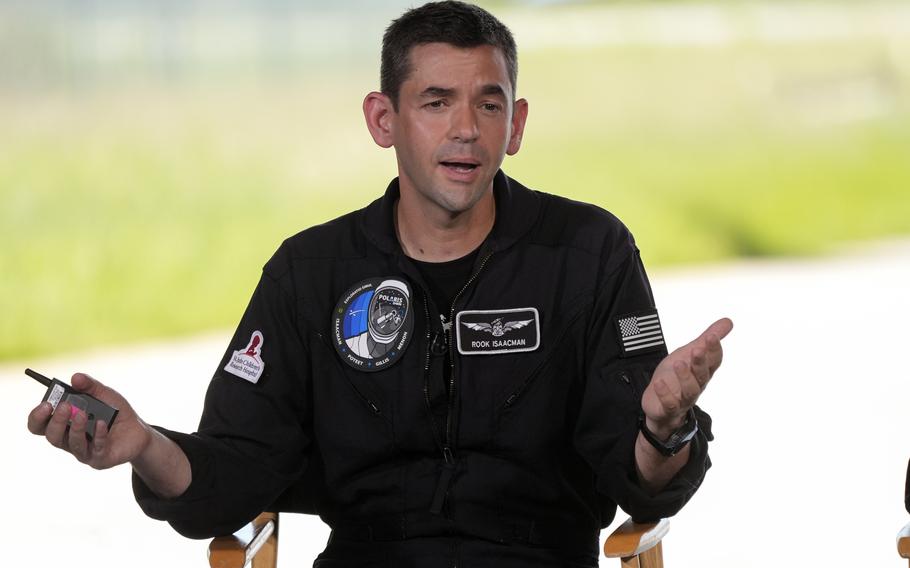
<point>678,438</point>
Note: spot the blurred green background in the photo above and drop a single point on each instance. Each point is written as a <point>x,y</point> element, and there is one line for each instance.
<point>154,154</point>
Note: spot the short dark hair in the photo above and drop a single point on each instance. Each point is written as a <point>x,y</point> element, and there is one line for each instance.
<point>455,23</point>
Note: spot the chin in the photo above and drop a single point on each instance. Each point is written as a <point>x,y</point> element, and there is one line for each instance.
<point>461,199</point>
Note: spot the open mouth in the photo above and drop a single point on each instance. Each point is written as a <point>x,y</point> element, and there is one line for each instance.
<point>461,166</point>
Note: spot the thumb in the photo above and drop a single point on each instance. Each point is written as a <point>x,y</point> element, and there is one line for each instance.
<point>93,387</point>
<point>84,383</point>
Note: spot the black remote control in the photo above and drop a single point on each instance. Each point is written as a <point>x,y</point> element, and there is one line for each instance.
<point>58,391</point>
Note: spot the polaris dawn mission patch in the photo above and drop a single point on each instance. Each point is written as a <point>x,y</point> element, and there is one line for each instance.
<point>373,323</point>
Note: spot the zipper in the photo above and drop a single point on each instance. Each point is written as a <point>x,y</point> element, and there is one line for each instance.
<point>628,376</point>
<point>513,397</point>
<point>451,412</point>
<point>365,399</point>
<point>448,455</point>
<point>448,466</point>
<point>426,376</point>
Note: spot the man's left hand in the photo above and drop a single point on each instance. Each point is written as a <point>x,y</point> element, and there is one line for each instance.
<point>681,378</point>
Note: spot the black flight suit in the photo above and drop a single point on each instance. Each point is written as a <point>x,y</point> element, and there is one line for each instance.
<point>533,448</point>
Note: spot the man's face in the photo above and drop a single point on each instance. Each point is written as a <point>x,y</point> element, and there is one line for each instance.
<point>454,124</point>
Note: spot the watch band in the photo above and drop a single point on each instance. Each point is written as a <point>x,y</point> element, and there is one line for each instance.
<point>678,438</point>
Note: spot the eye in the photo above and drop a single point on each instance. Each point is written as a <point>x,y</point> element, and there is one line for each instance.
<point>490,107</point>
<point>437,104</point>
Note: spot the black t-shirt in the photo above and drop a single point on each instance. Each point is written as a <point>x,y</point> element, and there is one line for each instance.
<point>446,279</point>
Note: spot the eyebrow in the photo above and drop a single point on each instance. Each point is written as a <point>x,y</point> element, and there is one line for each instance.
<point>437,92</point>
<point>490,89</point>
<point>493,89</point>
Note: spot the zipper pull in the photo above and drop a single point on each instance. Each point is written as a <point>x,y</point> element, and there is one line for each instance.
<point>445,478</point>
<point>446,326</point>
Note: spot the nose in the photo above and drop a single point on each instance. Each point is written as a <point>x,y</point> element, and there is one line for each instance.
<point>464,124</point>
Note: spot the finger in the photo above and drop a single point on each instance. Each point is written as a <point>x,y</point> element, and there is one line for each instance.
<point>76,441</point>
<point>56,428</point>
<point>39,417</point>
<point>689,387</point>
<point>714,354</point>
<point>99,441</point>
<point>720,328</point>
<point>700,369</point>
<point>710,339</point>
<point>668,391</point>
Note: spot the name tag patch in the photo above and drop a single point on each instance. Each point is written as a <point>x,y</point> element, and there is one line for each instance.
<point>247,363</point>
<point>491,332</point>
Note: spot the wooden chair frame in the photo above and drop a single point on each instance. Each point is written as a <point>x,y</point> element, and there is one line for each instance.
<point>256,542</point>
<point>903,542</point>
<point>637,545</point>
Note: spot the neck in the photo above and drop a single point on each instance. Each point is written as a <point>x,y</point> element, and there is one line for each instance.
<point>440,236</point>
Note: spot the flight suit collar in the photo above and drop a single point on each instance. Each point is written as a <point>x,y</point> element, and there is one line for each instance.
<point>517,209</point>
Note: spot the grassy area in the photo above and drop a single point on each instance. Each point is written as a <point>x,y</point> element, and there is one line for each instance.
<point>148,211</point>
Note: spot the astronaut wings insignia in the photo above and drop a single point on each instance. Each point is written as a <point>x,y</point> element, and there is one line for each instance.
<point>497,327</point>
<point>476,326</point>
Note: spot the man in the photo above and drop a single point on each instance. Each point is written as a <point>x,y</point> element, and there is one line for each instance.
<point>465,372</point>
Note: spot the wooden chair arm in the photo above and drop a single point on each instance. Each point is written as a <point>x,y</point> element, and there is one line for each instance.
<point>903,541</point>
<point>632,539</point>
<point>234,551</point>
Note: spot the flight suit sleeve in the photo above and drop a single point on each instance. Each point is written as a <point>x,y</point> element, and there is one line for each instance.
<point>621,359</point>
<point>253,438</point>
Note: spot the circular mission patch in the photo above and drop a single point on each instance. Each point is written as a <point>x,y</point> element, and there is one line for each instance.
<point>372,323</point>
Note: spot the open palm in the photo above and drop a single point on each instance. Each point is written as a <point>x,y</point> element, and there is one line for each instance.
<point>681,378</point>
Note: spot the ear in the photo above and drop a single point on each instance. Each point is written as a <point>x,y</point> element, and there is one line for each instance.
<point>519,116</point>
<point>378,110</point>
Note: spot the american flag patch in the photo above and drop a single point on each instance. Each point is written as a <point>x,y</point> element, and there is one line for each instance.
<point>639,333</point>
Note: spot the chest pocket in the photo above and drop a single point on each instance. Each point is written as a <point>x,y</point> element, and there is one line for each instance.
<point>352,415</point>
<point>495,387</point>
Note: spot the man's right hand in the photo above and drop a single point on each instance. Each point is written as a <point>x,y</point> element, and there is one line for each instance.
<point>129,437</point>
<point>159,461</point>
